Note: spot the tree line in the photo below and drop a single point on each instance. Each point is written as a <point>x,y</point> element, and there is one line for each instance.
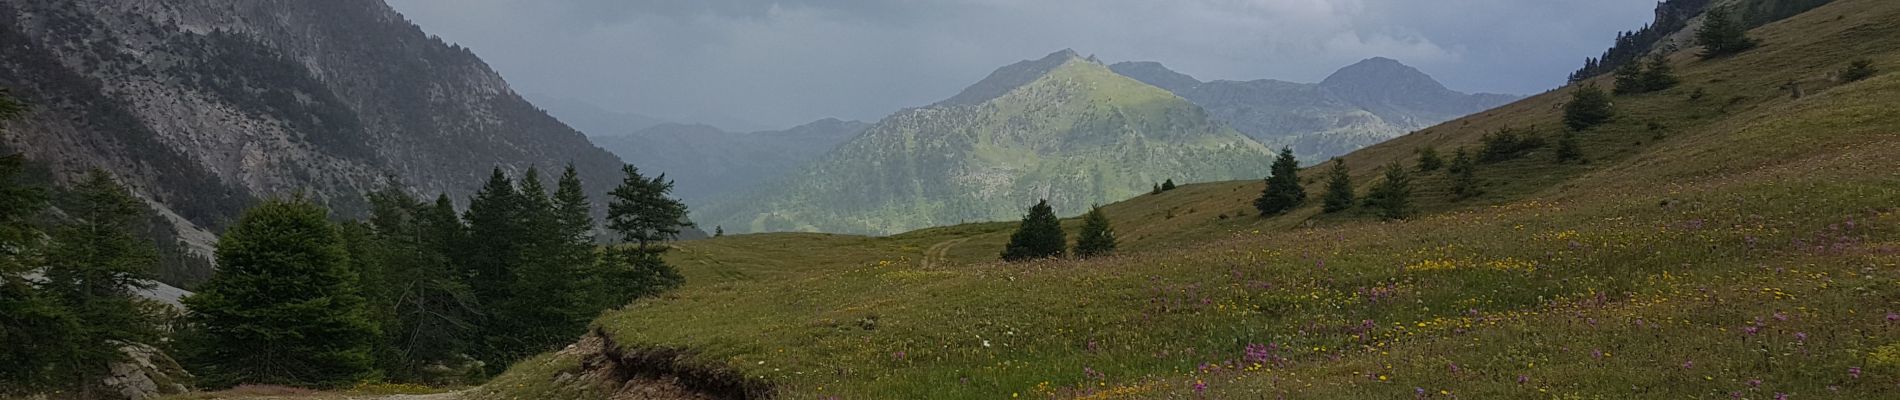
<point>417,292</point>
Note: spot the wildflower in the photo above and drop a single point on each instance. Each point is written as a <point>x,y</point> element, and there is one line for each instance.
<point>1596,354</point>
<point>1754,383</point>
<point>1853,372</point>
<point>1893,317</point>
<point>1200,387</point>
<point>1453,367</point>
<point>1751,330</point>
<point>1688,364</point>
<point>1523,379</point>
<point>1801,336</point>
<point>1781,396</point>
<point>1781,316</point>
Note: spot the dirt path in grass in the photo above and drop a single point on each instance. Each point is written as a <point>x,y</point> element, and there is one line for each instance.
<point>937,252</point>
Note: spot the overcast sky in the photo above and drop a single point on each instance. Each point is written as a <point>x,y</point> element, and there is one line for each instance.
<point>780,63</point>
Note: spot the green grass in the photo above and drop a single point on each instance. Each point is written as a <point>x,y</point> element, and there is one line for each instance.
<point>1753,237</point>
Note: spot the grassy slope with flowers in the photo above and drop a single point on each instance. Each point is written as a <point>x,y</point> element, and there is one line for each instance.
<point>1733,243</point>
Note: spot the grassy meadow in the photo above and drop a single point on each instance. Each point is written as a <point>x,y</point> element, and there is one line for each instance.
<point>1724,240</point>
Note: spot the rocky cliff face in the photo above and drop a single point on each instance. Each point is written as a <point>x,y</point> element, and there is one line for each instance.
<point>204,106</point>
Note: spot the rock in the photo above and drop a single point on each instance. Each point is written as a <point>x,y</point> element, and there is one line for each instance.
<point>146,373</point>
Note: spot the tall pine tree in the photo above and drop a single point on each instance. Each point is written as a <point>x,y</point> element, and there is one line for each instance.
<point>1283,191</point>
<point>1339,191</point>
<point>37,331</point>
<point>643,211</point>
<point>95,263</point>
<point>426,307</point>
<point>283,307</point>
<point>1039,236</point>
<point>493,244</point>
<point>1097,237</point>
<point>541,309</point>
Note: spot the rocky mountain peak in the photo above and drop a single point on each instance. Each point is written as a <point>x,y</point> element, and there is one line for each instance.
<point>1011,77</point>
<point>1382,74</point>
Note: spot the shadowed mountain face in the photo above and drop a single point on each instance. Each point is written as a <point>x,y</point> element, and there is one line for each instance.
<point>1062,128</point>
<point>203,106</point>
<point>1361,104</point>
<point>708,163</point>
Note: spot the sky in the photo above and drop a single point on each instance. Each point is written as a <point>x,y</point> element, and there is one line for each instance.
<point>750,65</point>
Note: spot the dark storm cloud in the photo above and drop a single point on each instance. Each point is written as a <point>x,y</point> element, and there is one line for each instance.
<point>777,63</point>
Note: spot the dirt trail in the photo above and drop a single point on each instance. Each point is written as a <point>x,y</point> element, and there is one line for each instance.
<point>939,251</point>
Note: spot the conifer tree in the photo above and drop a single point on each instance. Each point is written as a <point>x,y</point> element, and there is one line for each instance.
<point>1283,191</point>
<point>1157,189</point>
<point>642,210</point>
<point>1657,74</point>
<point>1097,237</point>
<point>1567,148</point>
<point>429,312</point>
<point>1339,191</point>
<point>719,231</point>
<point>1167,185</point>
<point>1589,106</point>
<point>1722,34</point>
<point>1464,176</point>
<point>493,244</point>
<point>1039,236</point>
<point>1629,78</point>
<point>283,307</point>
<point>1392,196</point>
<point>544,305</point>
<point>1428,160</point>
<point>94,264</point>
<point>36,329</point>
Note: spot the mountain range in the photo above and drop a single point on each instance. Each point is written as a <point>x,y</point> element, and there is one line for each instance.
<point>1062,128</point>
<point>1357,106</point>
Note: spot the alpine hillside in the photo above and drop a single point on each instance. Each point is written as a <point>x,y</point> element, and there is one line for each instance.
<point>1359,105</point>
<point>1062,128</point>
<point>1735,235</point>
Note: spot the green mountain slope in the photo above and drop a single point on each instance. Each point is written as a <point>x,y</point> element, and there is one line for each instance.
<point>1062,128</point>
<point>1357,106</point>
<point>1725,240</point>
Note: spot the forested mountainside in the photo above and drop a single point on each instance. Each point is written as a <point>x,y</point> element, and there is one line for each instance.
<point>1062,128</point>
<point>708,163</point>
<point>206,106</point>
<point>1672,29</point>
<point>1359,105</point>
